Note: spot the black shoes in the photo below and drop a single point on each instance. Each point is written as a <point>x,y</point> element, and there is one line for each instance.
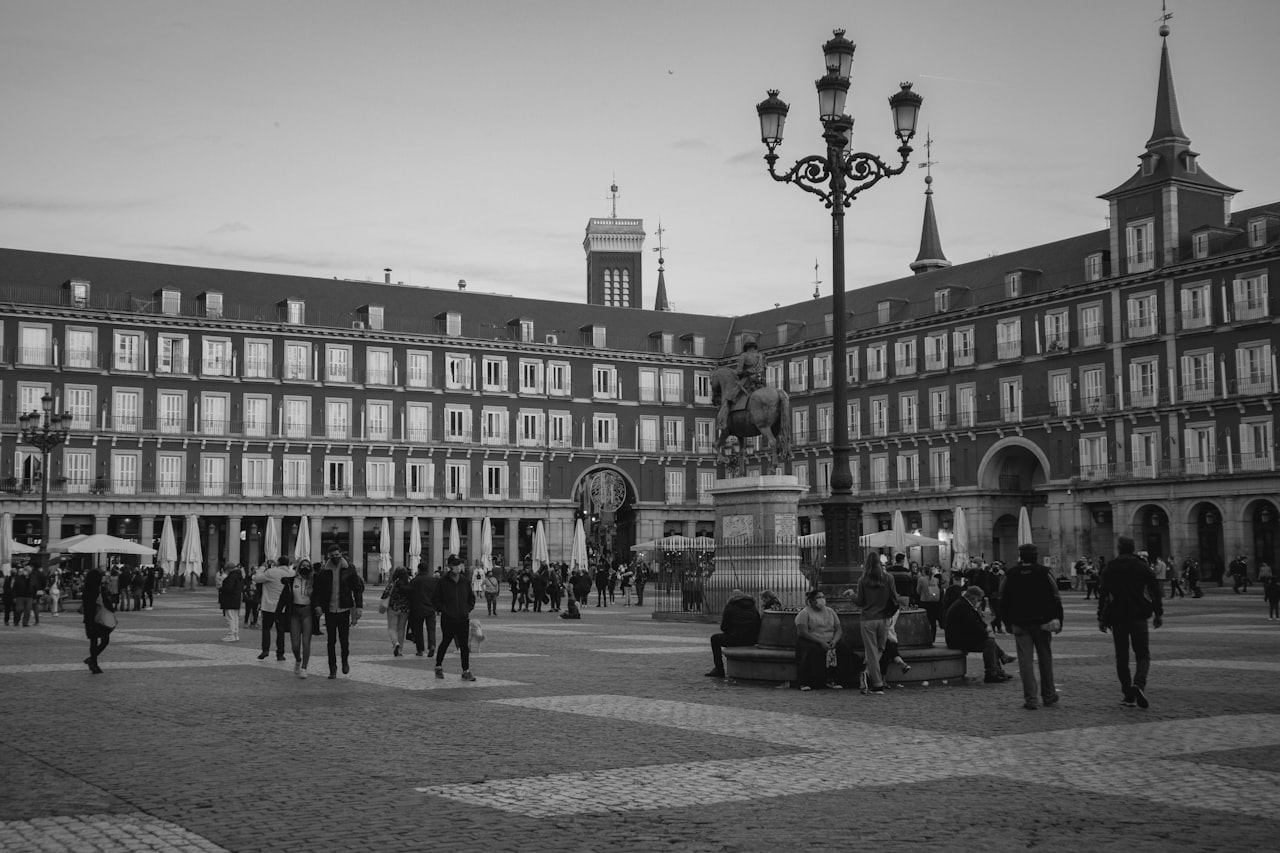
<point>997,678</point>
<point>1140,697</point>
<point>263,656</point>
<point>1051,701</point>
<point>333,673</point>
<point>346,668</point>
<point>1129,700</point>
<point>716,673</point>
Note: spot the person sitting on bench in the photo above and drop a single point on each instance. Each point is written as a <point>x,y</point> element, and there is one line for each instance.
<point>967,631</point>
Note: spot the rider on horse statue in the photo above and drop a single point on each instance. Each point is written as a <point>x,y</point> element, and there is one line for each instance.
<point>750,372</point>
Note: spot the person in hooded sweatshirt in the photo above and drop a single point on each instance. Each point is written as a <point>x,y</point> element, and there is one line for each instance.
<point>739,626</point>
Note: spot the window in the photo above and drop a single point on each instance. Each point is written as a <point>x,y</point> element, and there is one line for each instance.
<point>213,413</point>
<point>854,414</point>
<point>418,418</point>
<point>337,477</point>
<point>1144,452</point>
<point>909,471</point>
<point>524,331</point>
<point>297,476</point>
<point>375,316</point>
<point>1093,267</point>
<point>530,428</point>
<point>457,480</point>
<point>940,467</point>
<point>418,369</point>
<point>798,374</point>
<point>604,429</point>
<point>125,465</point>
<point>884,312</point>
<point>170,473</point>
<point>378,369</point>
<point>1251,297</point>
<point>337,419</point>
<point>126,410</point>
<point>379,478</point>
<point>495,373</point>
<point>29,394</point>
<point>1091,324</point>
<point>297,418</point>
<point>879,416</point>
<point>82,348</point>
<point>962,346</point>
<point>1013,285</point>
<point>703,435</point>
<point>127,351</point>
<point>701,387</point>
<point>457,371</point>
<point>34,345</point>
<point>530,481</point>
<point>493,426</point>
<point>451,324</point>
<point>851,365</point>
<point>337,363</point>
<point>79,401</point>
<point>695,344</point>
<point>673,386</point>
<point>79,293</point>
<point>935,351</point>
<point>1199,449</point>
<point>966,405</point>
<point>773,374</point>
<point>257,415</point>
<point>1256,444</point>
<point>457,423</point>
<point>170,302</point>
<point>648,427</point>
<point>1197,376</point>
<point>1140,245</point>
<point>1009,338</point>
<point>824,423</point>
<point>559,379</point>
<point>1195,306</point>
<point>908,411</point>
<point>824,477</point>
<point>256,476</point>
<point>77,466</point>
<point>377,415</point>
<point>1253,368</point>
<point>212,304</point>
<point>605,382</point>
<point>1093,456</point>
<point>216,360</point>
<point>674,480</point>
<point>1142,315</point>
<point>295,312</point>
<point>1200,245</point>
<point>1060,393</point>
<point>880,473</point>
<point>941,300</point>
<point>559,429</point>
<point>171,412</point>
<point>822,371</point>
<point>648,385</point>
<point>673,434</point>
<point>530,376</point>
<point>419,479</point>
<point>1011,399</point>
<point>617,287</point>
<point>800,424</point>
<point>707,482</point>
<point>297,361</point>
<point>1143,381</point>
<point>876,361</point>
<point>1092,396</point>
<point>257,359</point>
<point>905,356</point>
<point>939,408</point>
<point>1056,331</point>
<point>1257,232</point>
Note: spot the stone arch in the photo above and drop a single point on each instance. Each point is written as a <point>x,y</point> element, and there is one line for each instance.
<point>612,536</point>
<point>1013,463</point>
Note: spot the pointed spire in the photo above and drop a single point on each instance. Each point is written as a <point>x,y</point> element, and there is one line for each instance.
<point>1168,124</point>
<point>660,302</point>
<point>930,257</point>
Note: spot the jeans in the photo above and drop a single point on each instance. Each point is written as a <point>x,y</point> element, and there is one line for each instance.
<point>1138,635</point>
<point>300,617</point>
<point>232,618</point>
<point>397,622</point>
<point>338,628</point>
<point>417,623</point>
<point>1038,641</point>
<point>456,630</point>
<point>875,633</point>
<point>277,620</point>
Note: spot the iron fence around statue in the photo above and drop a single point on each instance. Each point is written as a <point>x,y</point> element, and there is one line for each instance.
<point>695,585</point>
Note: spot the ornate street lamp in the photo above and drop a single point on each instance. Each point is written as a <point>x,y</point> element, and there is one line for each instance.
<point>837,177</point>
<point>44,430</point>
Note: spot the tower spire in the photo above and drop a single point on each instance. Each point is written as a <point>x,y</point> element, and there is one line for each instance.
<point>931,256</point>
<point>1168,124</point>
<point>660,301</point>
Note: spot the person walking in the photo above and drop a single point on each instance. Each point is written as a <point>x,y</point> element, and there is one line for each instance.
<point>602,585</point>
<point>877,600</point>
<point>1271,593</point>
<point>395,603</point>
<point>454,600</point>
<point>422,610</point>
<point>1032,606</point>
<point>230,594</point>
<point>272,580</point>
<point>252,603</point>
<point>641,581</point>
<point>739,626</point>
<point>55,591</point>
<point>301,619</point>
<point>10,600</point>
<point>338,598</point>
<point>93,596</point>
<point>22,593</point>
<point>1129,595</point>
<point>491,587</point>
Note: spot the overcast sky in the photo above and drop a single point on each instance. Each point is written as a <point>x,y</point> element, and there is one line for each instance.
<point>473,140</point>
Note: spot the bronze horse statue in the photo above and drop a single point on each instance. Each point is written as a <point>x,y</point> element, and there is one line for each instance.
<point>765,412</point>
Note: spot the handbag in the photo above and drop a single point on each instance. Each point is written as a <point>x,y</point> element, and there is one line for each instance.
<point>382,605</point>
<point>103,617</point>
<point>285,602</point>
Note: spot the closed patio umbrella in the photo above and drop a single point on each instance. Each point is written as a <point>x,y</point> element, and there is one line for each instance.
<point>415,543</point>
<point>167,553</point>
<point>302,545</point>
<point>191,560</point>
<point>455,541</point>
<point>541,553</point>
<point>271,549</point>
<point>578,554</point>
<point>959,541</point>
<point>384,549</point>
<point>1024,527</point>
<point>486,544</point>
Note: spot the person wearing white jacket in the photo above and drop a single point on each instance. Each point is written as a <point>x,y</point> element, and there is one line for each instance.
<point>272,580</point>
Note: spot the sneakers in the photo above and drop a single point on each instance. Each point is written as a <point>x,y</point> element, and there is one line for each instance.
<point>439,672</point>
<point>997,678</point>
<point>1050,701</point>
<point>395,652</point>
<point>467,676</point>
<point>1031,705</point>
<point>1140,696</point>
<point>297,667</point>
<point>715,673</point>
<point>831,685</point>
<point>263,656</point>
<point>1129,701</point>
<point>228,639</point>
<point>302,673</point>
<point>804,687</point>
<point>877,691</point>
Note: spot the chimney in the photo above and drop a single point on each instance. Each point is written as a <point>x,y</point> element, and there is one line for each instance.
<point>386,273</point>
<point>462,284</point>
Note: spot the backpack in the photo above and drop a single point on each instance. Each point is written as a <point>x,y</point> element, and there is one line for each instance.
<point>285,601</point>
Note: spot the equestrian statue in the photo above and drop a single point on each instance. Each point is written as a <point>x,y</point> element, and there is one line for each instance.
<point>748,407</point>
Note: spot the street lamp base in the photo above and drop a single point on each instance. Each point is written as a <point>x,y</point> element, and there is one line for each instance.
<point>842,517</point>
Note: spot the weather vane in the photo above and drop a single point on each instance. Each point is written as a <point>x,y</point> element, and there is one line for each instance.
<point>613,196</point>
<point>661,249</point>
<point>1165,15</point>
<point>816,281</point>
<point>929,162</point>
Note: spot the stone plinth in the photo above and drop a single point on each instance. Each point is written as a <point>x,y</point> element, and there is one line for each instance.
<point>756,528</point>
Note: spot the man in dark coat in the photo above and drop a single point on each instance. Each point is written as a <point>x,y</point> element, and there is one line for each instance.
<point>967,631</point>
<point>454,600</point>
<point>739,626</point>
<point>1129,595</point>
<point>1032,606</point>
<point>422,610</point>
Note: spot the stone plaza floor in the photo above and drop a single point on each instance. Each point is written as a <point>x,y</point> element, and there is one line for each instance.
<point>604,735</point>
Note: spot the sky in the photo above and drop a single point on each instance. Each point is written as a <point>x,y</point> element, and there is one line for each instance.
<point>474,140</point>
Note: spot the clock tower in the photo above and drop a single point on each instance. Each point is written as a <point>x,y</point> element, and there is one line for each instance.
<point>615,248</point>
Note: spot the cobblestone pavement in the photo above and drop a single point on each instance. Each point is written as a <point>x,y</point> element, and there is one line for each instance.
<point>604,734</point>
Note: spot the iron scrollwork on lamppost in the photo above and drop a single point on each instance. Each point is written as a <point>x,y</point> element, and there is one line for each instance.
<point>837,178</point>
<point>44,430</point>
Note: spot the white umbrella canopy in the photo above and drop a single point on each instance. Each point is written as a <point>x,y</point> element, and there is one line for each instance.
<point>455,540</point>
<point>302,545</point>
<point>1024,527</point>
<point>541,553</point>
<point>486,544</point>
<point>578,554</point>
<point>384,548</point>
<point>191,560</point>
<point>415,542</point>
<point>101,543</point>
<point>8,545</point>
<point>167,553</point>
<point>960,539</point>
<point>271,548</point>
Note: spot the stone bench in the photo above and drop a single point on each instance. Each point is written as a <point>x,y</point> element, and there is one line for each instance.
<point>764,663</point>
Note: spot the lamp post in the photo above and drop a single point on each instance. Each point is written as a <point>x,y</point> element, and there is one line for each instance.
<point>837,177</point>
<point>44,430</point>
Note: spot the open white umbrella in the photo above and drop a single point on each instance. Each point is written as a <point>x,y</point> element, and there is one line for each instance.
<point>415,543</point>
<point>191,560</point>
<point>167,553</point>
<point>541,553</point>
<point>959,539</point>
<point>302,545</point>
<point>578,554</point>
<point>9,546</point>
<point>271,548</point>
<point>101,543</point>
<point>1024,527</point>
<point>384,549</point>
<point>455,541</point>
<point>486,544</point>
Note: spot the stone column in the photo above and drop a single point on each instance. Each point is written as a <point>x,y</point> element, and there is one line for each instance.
<point>397,542</point>
<point>146,529</point>
<point>436,554</point>
<point>317,544</point>
<point>233,540</point>
<point>210,551</point>
<point>357,547</point>
<point>99,526</point>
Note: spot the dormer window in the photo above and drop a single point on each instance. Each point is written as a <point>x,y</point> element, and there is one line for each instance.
<point>942,300</point>
<point>1140,245</point>
<point>525,328</point>
<point>1149,161</point>
<point>449,323</point>
<point>884,310</point>
<point>374,316</point>
<point>1200,245</point>
<point>694,344</point>
<point>1093,267</point>
<point>210,303</point>
<point>170,301</point>
<point>1257,232</point>
<point>1013,285</point>
<point>77,293</point>
<point>594,336</point>
<point>293,311</point>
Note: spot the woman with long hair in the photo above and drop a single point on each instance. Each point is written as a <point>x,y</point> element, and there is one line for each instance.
<point>301,619</point>
<point>396,600</point>
<point>877,600</point>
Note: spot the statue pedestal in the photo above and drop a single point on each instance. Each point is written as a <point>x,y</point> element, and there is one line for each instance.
<point>756,528</point>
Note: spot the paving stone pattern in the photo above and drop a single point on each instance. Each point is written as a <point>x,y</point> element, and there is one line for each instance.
<point>604,735</point>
